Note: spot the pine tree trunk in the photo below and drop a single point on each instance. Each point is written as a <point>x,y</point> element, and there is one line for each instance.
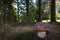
<point>53,12</point>
<point>27,7</point>
<point>27,11</point>
<point>39,14</point>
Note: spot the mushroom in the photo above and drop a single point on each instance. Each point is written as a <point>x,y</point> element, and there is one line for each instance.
<point>43,29</point>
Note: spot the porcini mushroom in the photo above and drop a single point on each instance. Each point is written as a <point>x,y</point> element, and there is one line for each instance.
<point>43,29</point>
<point>43,26</point>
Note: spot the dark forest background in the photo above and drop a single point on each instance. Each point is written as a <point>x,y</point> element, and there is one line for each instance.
<point>17,18</point>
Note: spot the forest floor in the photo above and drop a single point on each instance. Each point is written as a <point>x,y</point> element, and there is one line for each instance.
<point>26,32</point>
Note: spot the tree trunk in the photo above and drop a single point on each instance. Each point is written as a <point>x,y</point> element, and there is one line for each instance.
<point>27,11</point>
<point>27,7</point>
<point>53,12</point>
<point>39,14</point>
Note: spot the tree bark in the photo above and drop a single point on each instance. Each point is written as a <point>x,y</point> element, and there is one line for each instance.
<point>39,14</point>
<point>27,11</point>
<point>27,7</point>
<point>53,12</point>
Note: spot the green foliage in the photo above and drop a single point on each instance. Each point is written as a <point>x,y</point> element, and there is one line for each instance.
<point>7,11</point>
<point>32,13</point>
<point>4,32</point>
<point>11,15</point>
<point>59,11</point>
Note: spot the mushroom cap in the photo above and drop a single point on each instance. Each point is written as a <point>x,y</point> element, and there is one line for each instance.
<point>43,26</point>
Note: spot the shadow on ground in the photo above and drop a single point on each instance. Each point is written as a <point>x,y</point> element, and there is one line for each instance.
<point>31,35</point>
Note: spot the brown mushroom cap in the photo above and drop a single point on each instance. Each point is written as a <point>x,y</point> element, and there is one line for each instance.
<point>43,26</point>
